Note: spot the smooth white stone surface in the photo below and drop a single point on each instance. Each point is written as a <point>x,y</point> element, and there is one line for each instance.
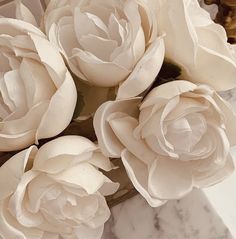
<point>223,199</point>
<point>189,218</point>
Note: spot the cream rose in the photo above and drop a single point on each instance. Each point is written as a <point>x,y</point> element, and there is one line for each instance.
<point>55,192</point>
<point>197,44</point>
<point>37,93</point>
<point>108,42</point>
<point>177,139</point>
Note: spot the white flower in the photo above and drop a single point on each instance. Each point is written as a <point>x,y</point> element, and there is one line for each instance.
<point>197,44</point>
<point>60,196</point>
<point>108,42</point>
<point>37,93</point>
<point>178,139</point>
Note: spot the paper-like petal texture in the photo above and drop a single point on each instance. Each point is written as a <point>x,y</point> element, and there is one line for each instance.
<point>144,72</point>
<point>198,45</point>
<point>24,14</point>
<point>177,138</point>
<point>108,141</point>
<point>108,43</point>
<point>35,86</point>
<point>56,191</point>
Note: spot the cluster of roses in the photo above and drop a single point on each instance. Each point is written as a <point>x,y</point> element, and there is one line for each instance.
<point>171,137</point>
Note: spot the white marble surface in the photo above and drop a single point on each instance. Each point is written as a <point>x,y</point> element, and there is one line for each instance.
<point>189,218</point>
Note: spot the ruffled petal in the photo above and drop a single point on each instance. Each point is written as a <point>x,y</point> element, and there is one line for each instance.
<point>66,145</point>
<point>12,171</point>
<point>107,140</point>
<point>14,27</point>
<point>51,58</point>
<point>123,127</point>
<point>167,92</point>
<point>83,175</point>
<point>10,228</point>
<point>17,203</point>
<point>170,15</point>
<point>224,68</point>
<point>212,177</point>
<point>229,117</point>
<point>54,121</point>
<point>138,174</point>
<point>8,142</point>
<point>169,179</point>
<point>99,72</point>
<point>23,13</point>
<point>144,72</point>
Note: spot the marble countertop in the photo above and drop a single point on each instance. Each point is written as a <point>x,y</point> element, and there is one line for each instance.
<point>189,218</point>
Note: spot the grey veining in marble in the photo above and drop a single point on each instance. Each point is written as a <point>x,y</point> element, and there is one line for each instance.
<point>189,218</point>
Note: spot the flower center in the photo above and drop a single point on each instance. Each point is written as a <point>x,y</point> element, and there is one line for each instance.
<point>186,132</point>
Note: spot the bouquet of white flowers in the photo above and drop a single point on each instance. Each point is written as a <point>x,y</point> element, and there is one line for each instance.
<point>89,81</point>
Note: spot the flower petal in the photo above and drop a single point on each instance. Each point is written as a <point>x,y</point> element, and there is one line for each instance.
<point>123,128</point>
<point>167,92</point>
<point>51,58</point>
<point>144,72</point>
<point>107,140</point>
<point>213,177</point>
<point>224,68</point>
<point>98,72</point>
<point>64,98</point>
<point>36,89</point>
<point>82,175</point>
<point>170,15</point>
<point>14,27</point>
<point>8,142</point>
<point>12,171</point>
<point>23,13</point>
<point>100,161</point>
<point>10,228</point>
<point>16,206</point>
<point>138,174</point>
<point>229,116</point>
<point>169,179</point>
<point>66,145</point>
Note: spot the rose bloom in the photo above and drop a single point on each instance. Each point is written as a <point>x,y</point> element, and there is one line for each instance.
<point>37,93</point>
<point>197,44</point>
<point>177,139</point>
<point>55,192</point>
<point>107,42</point>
